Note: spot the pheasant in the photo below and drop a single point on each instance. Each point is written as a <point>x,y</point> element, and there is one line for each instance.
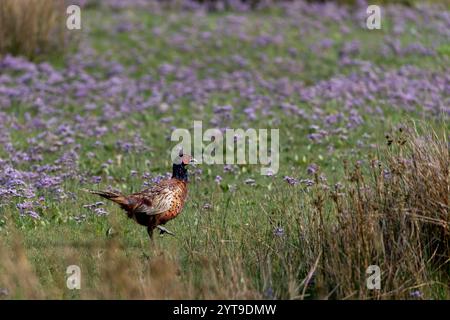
<point>155,206</point>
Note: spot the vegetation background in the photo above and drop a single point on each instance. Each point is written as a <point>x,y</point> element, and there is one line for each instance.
<point>364,165</point>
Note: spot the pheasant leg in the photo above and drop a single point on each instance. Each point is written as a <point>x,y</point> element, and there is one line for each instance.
<point>150,232</point>
<point>164,230</point>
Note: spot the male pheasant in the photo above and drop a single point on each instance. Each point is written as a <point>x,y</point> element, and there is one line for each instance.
<point>155,206</point>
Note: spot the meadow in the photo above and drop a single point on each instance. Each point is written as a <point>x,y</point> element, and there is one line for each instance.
<point>364,153</point>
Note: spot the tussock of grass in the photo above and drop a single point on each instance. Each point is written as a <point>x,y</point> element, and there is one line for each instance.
<point>31,27</point>
<point>396,217</point>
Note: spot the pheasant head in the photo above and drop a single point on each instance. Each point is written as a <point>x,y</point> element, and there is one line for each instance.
<point>179,167</point>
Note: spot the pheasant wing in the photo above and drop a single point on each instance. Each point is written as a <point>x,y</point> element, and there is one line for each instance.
<point>155,200</point>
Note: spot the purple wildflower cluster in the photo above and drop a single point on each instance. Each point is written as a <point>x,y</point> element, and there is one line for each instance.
<point>30,208</point>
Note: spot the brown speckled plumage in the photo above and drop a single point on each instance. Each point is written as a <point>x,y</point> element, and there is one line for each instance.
<point>155,206</point>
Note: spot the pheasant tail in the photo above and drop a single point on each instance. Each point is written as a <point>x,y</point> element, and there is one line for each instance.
<point>113,196</point>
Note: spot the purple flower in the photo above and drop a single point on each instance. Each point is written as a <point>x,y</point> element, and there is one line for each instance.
<point>307,182</point>
<point>229,168</point>
<point>100,212</point>
<point>159,178</point>
<point>33,214</point>
<point>27,205</point>
<point>312,169</point>
<point>96,179</point>
<point>207,206</point>
<point>279,232</point>
<point>292,181</point>
<point>27,208</point>
<point>416,294</point>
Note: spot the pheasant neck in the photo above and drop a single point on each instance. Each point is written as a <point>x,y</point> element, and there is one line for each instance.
<point>179,172</point>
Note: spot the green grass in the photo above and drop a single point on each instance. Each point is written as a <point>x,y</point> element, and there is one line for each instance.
<point>233,239</point>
